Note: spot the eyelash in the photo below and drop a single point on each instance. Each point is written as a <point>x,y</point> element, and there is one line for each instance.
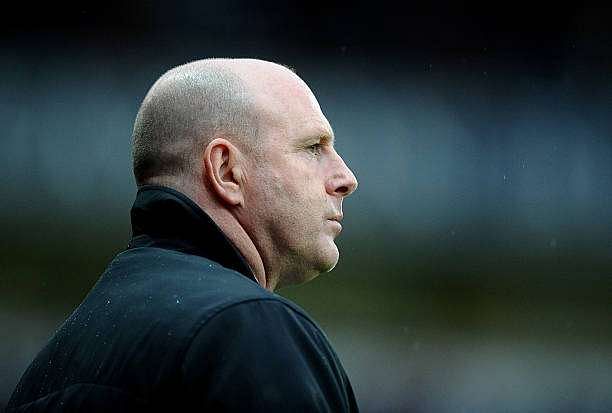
<point>316,148</point>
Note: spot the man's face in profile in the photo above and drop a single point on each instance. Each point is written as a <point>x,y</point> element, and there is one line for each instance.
<point>297,188</point>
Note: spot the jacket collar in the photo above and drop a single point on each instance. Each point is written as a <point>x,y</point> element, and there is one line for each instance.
<point>165,218</point>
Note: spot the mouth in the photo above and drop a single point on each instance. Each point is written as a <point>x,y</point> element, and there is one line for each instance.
<point>337,218</point>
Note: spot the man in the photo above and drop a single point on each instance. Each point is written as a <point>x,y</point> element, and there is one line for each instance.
<point>240,192</point>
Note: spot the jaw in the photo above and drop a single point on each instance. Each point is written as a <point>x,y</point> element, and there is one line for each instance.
<point>302,270</point>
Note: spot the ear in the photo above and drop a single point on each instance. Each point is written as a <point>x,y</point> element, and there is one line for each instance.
<point>223,170</point>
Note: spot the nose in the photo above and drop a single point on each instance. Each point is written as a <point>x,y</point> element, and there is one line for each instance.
<point>342,181</point>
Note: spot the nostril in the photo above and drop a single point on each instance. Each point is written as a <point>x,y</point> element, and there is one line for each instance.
<point>342,190</point>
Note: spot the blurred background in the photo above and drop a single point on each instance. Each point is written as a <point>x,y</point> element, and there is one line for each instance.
<point>476,265</point>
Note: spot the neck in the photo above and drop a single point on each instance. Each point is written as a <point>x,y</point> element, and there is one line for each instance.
<point>238,236</point>
<point>230,227</point>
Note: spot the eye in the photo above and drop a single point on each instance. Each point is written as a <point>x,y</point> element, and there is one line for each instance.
<point>316,148</point>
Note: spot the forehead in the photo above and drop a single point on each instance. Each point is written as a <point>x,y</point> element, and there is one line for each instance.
<point>314,128</point>
<point>293,113</point>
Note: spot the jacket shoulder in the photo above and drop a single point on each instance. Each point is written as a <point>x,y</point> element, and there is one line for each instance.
<point>269,356</point>
<point>143,311</point>
<point>194,275</point>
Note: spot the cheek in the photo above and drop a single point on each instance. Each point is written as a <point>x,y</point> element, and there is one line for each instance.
<point>295,195</point>
<point>296,186</point>
<point>304,197</point>
<point>296,208</point>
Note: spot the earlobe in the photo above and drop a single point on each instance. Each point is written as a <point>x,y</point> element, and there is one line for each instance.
<point>223,171</point>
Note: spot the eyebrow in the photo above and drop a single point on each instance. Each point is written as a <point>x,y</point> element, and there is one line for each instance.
<point>328,135</point>
<point>329,138</point>
<point>323,136</point>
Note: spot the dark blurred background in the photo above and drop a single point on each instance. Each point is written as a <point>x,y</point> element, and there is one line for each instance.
<point>476,266</point>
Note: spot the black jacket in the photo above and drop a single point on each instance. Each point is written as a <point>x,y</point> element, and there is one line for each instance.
<point>177,322</point>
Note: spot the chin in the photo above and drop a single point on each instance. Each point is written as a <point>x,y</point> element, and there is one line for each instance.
<point>330,259</point>
<point>324,262</point>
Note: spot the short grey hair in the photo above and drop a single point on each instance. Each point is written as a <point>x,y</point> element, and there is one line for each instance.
<point>182,112</point>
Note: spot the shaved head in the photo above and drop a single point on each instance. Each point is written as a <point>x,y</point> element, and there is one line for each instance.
<point>185,109</point>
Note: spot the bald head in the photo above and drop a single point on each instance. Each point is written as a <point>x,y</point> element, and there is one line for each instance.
<point>192,104</point>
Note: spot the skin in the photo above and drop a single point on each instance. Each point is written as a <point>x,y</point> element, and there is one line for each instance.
<point>280,201</point>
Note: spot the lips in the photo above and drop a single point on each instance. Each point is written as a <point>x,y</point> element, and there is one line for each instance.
<point>336,218</point>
